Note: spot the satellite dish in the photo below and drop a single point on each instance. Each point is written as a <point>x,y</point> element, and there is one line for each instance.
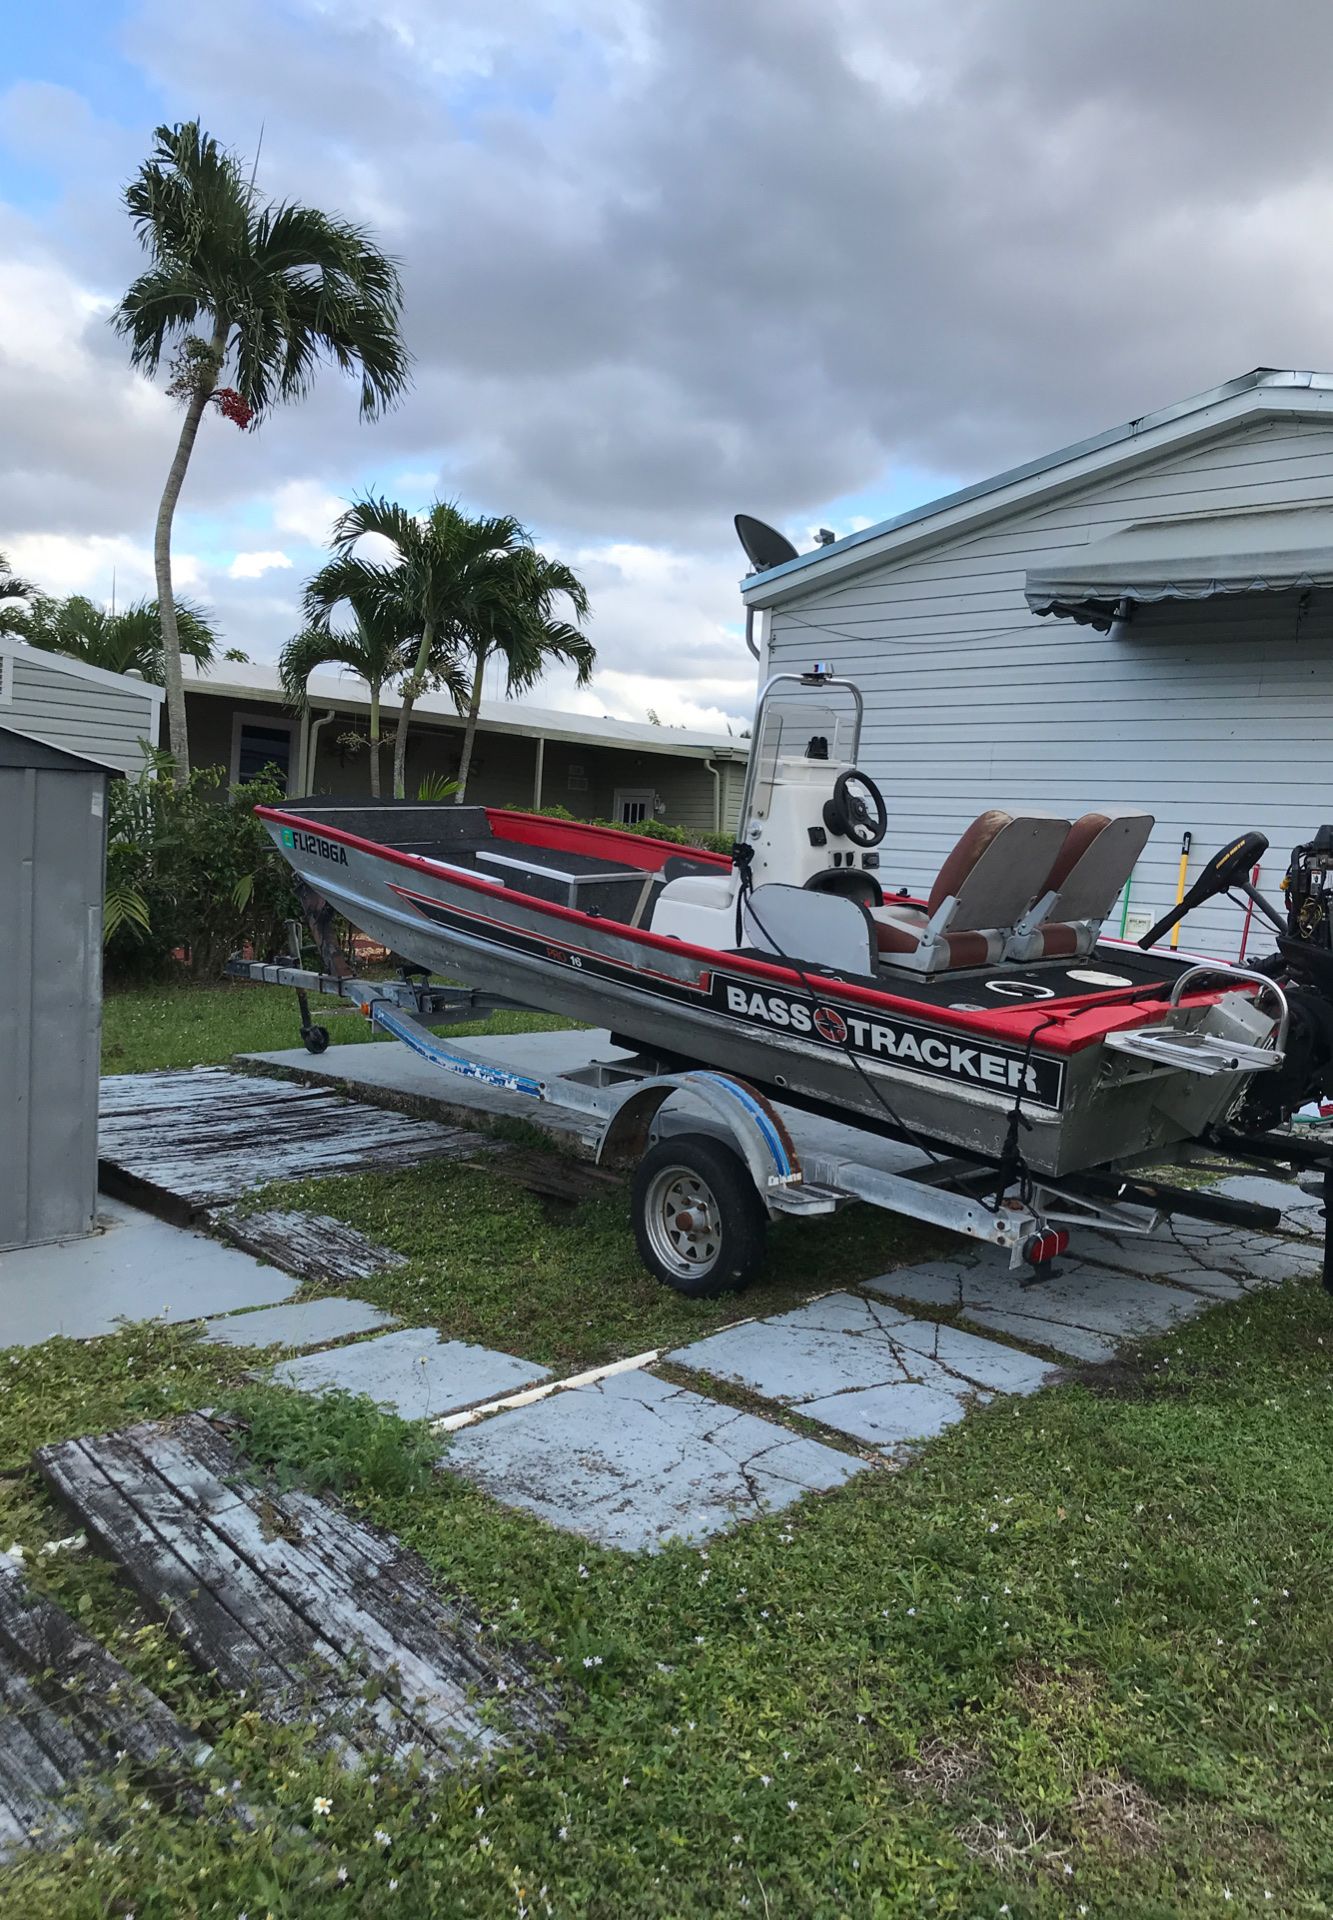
<point>764,546</point>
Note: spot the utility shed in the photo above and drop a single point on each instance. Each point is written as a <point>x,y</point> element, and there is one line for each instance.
<point>52,857</point>
<point>1144,619</point>
<point>79,708</point>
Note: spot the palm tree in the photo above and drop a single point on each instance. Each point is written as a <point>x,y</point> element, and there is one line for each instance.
<point>520,628</point>
<point>126,642</point>
<point>442,585</point>
<point>276,289</point>
<point>374,647</point>
<point>12,590</point>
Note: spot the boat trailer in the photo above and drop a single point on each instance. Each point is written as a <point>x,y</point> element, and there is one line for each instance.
<point>706,1184</point>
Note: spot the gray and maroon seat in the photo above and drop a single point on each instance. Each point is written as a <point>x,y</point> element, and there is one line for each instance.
<point>1083,885</point>
<point>987,883</point>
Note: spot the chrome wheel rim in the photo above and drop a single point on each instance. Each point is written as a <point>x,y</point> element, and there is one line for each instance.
<point>684,1222</point>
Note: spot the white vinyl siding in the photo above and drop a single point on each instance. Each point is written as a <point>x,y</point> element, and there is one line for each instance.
<point>104,717</point>
<point>1214,717</point>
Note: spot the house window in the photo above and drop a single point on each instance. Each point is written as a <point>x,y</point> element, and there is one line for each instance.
<point>578,779</point>
<point>259,742</point>
<point>633,805</point>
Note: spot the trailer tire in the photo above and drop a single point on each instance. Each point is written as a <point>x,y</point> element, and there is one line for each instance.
<point>316,1038</point>
<point>699,1224</point>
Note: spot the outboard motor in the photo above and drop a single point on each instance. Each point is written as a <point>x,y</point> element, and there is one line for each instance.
<point>1308,887</point>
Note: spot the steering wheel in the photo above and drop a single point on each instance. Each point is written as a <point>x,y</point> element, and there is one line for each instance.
<point>856,809</point>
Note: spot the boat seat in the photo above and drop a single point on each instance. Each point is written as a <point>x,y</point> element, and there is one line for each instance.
<point>1083,885</point>
<point>988,881</point>
<point>698,907</point>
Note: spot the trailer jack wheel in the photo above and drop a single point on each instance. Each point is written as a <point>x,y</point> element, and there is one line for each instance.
<point>316,1038</point>
<point>698,1222</point>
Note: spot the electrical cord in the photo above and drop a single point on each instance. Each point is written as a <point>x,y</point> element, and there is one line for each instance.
<point>746,894</point>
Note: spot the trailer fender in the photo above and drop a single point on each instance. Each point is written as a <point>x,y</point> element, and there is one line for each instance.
<point>751,1124</point>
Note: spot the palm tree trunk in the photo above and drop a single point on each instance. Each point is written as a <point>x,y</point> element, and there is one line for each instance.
<point>374,743</point>
<point>166,598</point>
<point>470,730</point>
<point>411,688</point>
<point>400,749</point>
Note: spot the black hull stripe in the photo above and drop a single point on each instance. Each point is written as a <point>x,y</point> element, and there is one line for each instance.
<point>758,1010</point>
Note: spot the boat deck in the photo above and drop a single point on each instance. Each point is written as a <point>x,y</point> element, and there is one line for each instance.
<point>614,886</point>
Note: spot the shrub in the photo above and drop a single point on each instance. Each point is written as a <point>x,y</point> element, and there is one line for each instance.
<point>190,869</point>
<point>649,830</point>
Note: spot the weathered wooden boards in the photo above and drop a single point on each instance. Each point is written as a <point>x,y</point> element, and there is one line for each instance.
<point>313,1246</point>
<point>290,1601</point>
<point>203,1137</point>
<point>68,1709</point>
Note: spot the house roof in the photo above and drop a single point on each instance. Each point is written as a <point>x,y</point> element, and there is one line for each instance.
<point>257,681</point>
<point>1264,390</point>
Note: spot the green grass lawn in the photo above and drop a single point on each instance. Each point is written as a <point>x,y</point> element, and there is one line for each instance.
<point>489,1261</point>
<point>170,1025</point>
<point>1076,1658</point>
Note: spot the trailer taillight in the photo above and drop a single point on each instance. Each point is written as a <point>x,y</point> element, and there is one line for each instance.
<point>1043,1247</point>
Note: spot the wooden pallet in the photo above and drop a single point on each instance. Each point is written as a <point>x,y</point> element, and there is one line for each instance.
<point>314,1616</point>
<point>68,1710</point>
<point>311,1245</point>
<point>194,1140</point>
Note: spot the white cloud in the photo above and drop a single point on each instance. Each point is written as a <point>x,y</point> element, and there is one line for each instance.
<point>95,564</point>
<point>308,509</point>
<point>251,566</point>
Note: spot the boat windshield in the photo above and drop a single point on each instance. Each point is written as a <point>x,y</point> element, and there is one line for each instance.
<point>795,724</point>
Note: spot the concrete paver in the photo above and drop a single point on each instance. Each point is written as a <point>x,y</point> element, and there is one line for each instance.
<point>866,1369</point>
<point>413,1372</point>
<point>307,1323</point>
<point>135,1267</point>
<point>1083,1309</point>
<point>633,1462</point>
<point>1193,1253</point>
<point>1301,1212</point>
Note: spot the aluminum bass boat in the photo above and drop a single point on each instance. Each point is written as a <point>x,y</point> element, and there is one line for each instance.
<point>987,1020</point>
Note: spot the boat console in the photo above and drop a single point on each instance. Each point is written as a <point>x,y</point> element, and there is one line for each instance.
<point>1018,889</point>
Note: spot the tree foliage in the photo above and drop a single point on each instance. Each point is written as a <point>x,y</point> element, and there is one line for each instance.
<point>375,646</point>
<point>464,588</point>
<point>191,871</point>
<point>12,592</point>
<point>121,642</point>
<point>248,299</point>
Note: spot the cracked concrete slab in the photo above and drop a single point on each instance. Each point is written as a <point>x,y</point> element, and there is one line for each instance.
<point>1195,1253</point>
<point>866,1369</point>
<point>1301,1212</point>
<point>1083,1309</point>
<point>633,1462</point>
<point>309,1323</point>
<point>413,1372</point>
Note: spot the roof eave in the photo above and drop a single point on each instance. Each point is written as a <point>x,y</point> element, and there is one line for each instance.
<point>352,702</point>
<point>1265,390</point>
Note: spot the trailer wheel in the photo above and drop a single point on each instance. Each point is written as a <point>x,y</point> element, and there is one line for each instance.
<point>698,1222</point>
<point>316,1038</point>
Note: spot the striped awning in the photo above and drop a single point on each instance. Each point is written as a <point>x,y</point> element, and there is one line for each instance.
<point>1280,550</point>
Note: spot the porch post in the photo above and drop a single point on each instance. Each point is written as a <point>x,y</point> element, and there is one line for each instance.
<point>537,773</point>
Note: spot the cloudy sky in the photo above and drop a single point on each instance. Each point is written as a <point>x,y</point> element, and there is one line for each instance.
<point>817,259</point>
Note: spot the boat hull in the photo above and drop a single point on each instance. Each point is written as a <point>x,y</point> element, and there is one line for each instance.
<point>909,1073</point>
